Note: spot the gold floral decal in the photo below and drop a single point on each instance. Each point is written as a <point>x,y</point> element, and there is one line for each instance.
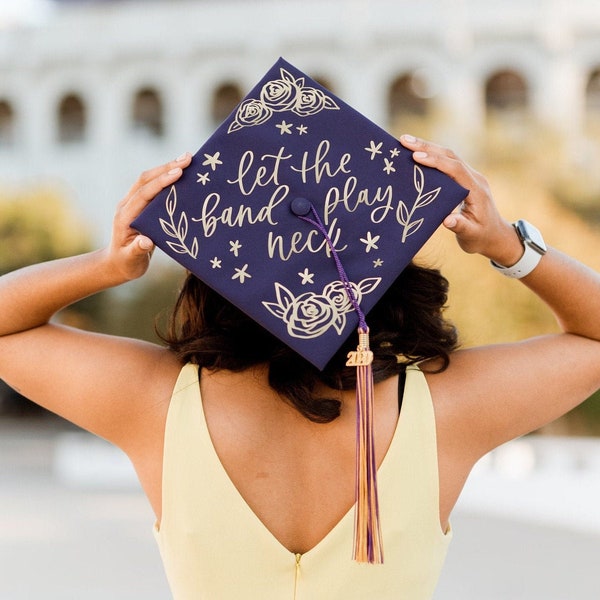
<point>311,315</point>
<point>278,95</point>
<point>179,231</point>
<point>423,199</point>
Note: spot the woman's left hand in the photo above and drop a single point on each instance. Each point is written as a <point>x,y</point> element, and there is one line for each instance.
<point>478,225</point>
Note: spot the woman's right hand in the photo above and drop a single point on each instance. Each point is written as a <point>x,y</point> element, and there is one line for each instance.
<point>129,252</point>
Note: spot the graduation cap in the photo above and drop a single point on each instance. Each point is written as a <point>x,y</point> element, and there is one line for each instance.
<point>301,212</point>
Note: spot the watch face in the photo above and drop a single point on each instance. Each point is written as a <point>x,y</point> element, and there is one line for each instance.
<point>531,236</point>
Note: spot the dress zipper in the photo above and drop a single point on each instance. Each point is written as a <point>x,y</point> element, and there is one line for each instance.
<point>297,575</point>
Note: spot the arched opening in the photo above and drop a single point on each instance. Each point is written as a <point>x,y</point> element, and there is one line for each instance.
<point>592,104</point>
<point>592,93</point>
<point>405,96</point>
<point>408,103</point>
<point>147,116</point>
<point>506,91</point>
<point>7,124</point>
<point>71,119</point>
<point>507,116</point>
<point>225,98</point>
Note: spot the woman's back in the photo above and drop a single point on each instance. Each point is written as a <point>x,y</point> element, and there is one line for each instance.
<point>246,496</point>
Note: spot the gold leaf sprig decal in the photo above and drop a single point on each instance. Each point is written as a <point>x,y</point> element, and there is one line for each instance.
<point>423,199</point>
<point>278,95</point>
<point>177,231</point>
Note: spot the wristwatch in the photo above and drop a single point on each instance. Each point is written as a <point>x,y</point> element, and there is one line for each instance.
<point>535,248</point>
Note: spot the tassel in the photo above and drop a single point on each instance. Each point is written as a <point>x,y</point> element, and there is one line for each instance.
<point>368,544</point>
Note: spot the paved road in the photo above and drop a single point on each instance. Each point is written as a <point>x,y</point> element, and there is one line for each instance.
<point>60,541</point>
<point>63,542</point>
<point>500,559</point>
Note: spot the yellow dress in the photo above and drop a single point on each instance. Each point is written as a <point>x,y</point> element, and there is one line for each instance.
<point>215,548</point>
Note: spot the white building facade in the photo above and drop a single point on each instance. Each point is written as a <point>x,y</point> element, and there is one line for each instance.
<point>102,90</point>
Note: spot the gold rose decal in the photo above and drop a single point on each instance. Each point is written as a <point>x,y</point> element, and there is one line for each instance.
<point>423,199</point>
<point>177,231</point>
<point>311,315</point>
<point>278,95</point>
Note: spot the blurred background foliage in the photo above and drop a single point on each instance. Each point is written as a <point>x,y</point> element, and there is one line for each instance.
<point>527,170</point>
<point>37,224</point>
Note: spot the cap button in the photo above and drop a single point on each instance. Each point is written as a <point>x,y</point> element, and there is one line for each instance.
<point>300,206</point>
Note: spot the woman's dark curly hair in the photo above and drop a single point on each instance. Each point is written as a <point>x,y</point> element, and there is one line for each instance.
<point>406,325</point>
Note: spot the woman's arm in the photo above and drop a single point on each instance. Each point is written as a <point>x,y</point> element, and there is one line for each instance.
<point>100,382</point>
<point>571,290</point>
<point>30,297</point>
<point>493,394</point>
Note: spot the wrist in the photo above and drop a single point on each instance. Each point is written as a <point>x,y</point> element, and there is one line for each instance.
<point>534,248</point>
<point>106,269</point>
<point>508,249</point>
<point>120,264</point>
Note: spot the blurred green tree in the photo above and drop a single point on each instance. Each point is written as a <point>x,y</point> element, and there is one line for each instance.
<point>37,224</point>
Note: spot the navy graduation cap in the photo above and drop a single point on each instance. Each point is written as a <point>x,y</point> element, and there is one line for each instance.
<point>292,186</point>
<point>302,212</point>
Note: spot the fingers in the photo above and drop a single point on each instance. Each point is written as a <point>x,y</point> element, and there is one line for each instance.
<point>138,248</point>
<point>141,249</point>
<point>150,183</point>
<point>440,158</point>
<point>421,145</point>
<point>132,259</point>
<point>451,221</point>
<point>151,174</point>
<point>457,223</point>
<point>145,244</point>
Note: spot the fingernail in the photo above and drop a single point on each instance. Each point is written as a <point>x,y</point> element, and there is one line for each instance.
<point>182,157</point>
<point>411,139</point>
<point>145,243</point>
<point>419,154</point>
<point>174,171</point>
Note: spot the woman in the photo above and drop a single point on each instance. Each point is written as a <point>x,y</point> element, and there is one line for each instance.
<point>252,485</point>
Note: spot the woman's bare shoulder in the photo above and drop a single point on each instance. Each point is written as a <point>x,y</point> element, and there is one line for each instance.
<point>492,394</point>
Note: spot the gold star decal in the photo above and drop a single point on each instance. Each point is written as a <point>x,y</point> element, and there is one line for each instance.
<point>235,247</point>
<point>370,242</point>
<point>212,160</point>
<point>307,276</point>
<point>374,149</point>
<point>284,127</point>
<point>203,178</point>
<point>389,166</point>
<point>241,274</point>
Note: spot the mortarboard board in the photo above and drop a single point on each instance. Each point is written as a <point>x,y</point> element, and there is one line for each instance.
<point>302,212</point>
<point>232,218</point>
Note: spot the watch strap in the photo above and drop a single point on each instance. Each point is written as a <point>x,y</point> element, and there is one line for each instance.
<point>526,264</point>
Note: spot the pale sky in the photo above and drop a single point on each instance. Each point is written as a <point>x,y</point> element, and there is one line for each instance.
<point>17,12</point>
